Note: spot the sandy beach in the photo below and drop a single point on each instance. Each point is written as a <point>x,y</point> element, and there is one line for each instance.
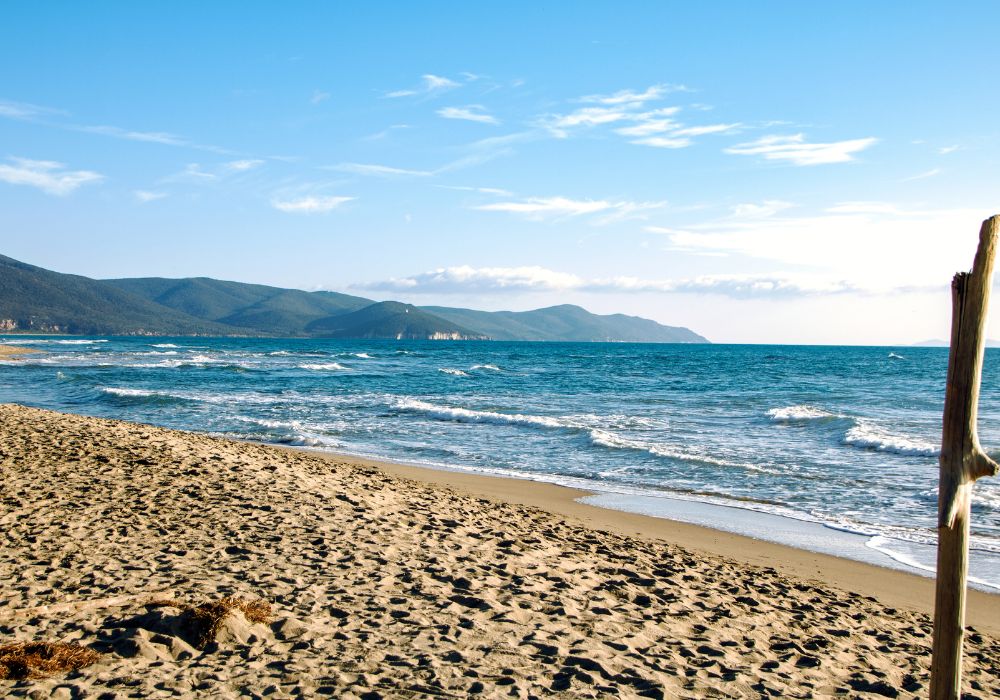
<point>393,581</point>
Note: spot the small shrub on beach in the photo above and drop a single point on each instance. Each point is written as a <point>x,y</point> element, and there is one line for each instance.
<point>39,659</point>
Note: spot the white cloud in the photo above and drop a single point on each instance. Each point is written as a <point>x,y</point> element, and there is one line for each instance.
<point>797,151</point>
<point>465,279</point>
<point>431,84</point>
<point>539,208</point>
<point>375,170</point>
<point>870,244</point>
<point>148,196</point>
<point>769,207</point>
<point>313,204</point>
<point>243,165</point>
<point>649,127</point>
<point>472,113</point>
<point>663,142</point>
<point>319,96</point>
<point>945,150</point>
<point>48,176</point>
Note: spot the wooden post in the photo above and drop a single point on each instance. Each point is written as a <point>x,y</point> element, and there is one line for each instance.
<point>962,462</point>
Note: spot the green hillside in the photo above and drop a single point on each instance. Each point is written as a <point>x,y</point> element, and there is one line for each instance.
<point>253,307</point>
<point>39,300</point>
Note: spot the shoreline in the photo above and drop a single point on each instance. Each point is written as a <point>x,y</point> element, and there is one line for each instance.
<point>386,580</point>
<point>891,585</point>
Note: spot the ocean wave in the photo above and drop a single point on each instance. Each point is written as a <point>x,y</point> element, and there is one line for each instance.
<point>799,414</point>
<point>465,415</point>
<point>869,436</point>
<point>164,345</point>
<point>77,342</point>
<point>604,438</point>
<point>138,393</point>
<point>279,353</point>
<point>453,372</point>
<point>492,368</point>
<point>321,366</point>
<point>362,355</point>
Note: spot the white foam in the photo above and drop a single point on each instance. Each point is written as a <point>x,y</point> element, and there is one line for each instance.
<point>77,342</point>
<point>204,359</point>
<point>894,356</point>
<point>321,366</point>
<point>164,345</point>
<point>493,368</point>
<point>465,415</point>
<point>281,353</point>
<point>870,436</point>
<point>454,372</point>
<point>363,355</point>
<point>801,413</point>
<point>115,391</point>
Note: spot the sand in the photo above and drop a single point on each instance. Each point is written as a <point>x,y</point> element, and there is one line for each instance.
<point>386,585</point>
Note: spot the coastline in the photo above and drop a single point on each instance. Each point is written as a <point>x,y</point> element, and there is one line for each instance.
<point>388,580</point>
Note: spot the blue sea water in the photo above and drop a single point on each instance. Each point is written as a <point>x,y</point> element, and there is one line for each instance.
<point>828,448</point>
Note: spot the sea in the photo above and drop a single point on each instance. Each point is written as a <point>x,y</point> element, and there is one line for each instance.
<point>830,449</point>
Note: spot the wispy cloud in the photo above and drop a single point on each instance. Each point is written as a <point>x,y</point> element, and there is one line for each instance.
<point>55,118</point>
<point>472,113</point>
<point>496,191</point>
<point>312,204</point>
<point>541,208</point>
<point>945,150</point>
<point>430,85</point>
<point>319,96</point>
<point>654,92</point>
<point>379,135</point>
<point>148,195</point>
<point>375,170</point>
<point>465,280</point>
<point>49,176</point>
<point>796,150</point>
<point>922,176</point>
<point>630,115</point>
<point>25,111</point>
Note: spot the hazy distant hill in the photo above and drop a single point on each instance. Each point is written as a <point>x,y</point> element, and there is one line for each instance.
<point>566,322</point>
<point>936,343</point>
<point>35,299</point>
<point>391,319</point>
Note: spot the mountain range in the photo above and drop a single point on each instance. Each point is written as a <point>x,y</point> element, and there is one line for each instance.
<point>33,299</point>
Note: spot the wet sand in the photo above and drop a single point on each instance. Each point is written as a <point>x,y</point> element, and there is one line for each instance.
<point>394,581</point>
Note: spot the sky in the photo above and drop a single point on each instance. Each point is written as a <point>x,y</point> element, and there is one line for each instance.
<point>758,172</point>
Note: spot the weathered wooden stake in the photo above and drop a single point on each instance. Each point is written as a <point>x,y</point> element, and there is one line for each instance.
<point>962,462</point>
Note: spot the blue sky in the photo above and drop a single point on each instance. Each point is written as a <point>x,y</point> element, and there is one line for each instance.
<point>758,172</point>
